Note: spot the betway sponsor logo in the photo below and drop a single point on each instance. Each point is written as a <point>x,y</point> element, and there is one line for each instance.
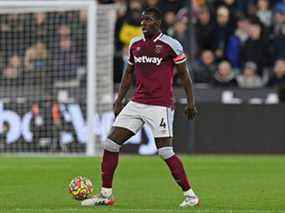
<point>146,59</point>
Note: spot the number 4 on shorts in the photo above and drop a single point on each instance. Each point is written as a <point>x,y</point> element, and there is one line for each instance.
<point>162,123</point>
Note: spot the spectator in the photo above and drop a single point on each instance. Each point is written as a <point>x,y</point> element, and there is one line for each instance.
<point>279,4</point>
<point>118,65</point>
<point>36,58</point>
<point>37,27</point>
<point>79,28</point>
<point>127,26</point>
<point>36,64</point>
<point>278,18</point>
<point>249,77</point>
<point>46,122</point>
<point>264,13</point>
<point>121,63</point>
<point>37,122</point>
<point>66,59</point>
<point>168,22</point>
<point>131,26</point>
<point>197,6</point>
<point>236,42</point>
<point>204,30</point>
<point>256,48</point>
<point>12,31</point>
<point>64,31</point>
<point>56,119</point>
<point>278,77</point>
<point>223,30</point>
<point>152,3</point>
<point>225,76</point>
<point>181,34</point>
<point>278,44</point>
<point>233,6</point>
<point>251,10</point>
<point>14,68</point>
<point>204,68</point>
<point>121,7</point>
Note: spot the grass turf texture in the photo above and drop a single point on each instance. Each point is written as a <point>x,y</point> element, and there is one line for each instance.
<point>143,184</point>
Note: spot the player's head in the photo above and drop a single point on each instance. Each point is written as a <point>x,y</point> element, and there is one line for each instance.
<point>150,21</point>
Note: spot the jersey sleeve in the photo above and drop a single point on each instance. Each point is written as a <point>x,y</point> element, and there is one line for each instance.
<point>178,55</point>
<point>131,56</point>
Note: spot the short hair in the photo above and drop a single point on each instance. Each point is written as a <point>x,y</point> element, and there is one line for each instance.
<point>156,13</point>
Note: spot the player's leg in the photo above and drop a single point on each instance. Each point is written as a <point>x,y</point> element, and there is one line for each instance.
<point>175,165</point>
<point>160,120</point>
<point>110,160</point>
<point>109,164</point>
<point>125,126</point>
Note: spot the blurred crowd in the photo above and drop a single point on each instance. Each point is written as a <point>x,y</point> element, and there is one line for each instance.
<point>229,43</point>
<point>41,48</point>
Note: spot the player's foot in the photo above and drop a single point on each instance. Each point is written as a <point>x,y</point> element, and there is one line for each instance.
<point>98,200</point>
<point>190,201</point>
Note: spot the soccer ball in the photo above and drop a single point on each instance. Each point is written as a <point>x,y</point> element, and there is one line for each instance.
<point>80,188</point>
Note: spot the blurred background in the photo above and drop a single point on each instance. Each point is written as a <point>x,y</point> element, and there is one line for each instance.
<point>229,43</point>
<point>236,57</point>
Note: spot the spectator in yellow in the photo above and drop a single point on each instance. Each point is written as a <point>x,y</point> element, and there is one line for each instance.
<point>131,26</point>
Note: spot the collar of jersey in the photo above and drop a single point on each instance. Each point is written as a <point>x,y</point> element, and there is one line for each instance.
<point>156,38</point>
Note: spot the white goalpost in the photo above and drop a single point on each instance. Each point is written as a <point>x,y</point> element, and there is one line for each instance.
<point>55,81</point>
<point>91,149</point>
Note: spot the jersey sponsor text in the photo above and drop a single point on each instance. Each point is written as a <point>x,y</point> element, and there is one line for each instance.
<point>146,59</point>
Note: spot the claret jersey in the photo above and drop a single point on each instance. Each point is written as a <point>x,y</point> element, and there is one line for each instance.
<point>154,61</point>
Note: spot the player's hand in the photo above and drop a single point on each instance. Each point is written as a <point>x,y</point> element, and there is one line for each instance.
<point>117,107</point>
<point>191,111</point>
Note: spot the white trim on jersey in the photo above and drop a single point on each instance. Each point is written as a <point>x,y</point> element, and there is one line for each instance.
<point>175,46</point>
<point>134,40</point>
<point>158,37</point>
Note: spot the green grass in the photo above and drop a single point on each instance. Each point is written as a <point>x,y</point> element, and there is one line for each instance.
<point>143,184</point>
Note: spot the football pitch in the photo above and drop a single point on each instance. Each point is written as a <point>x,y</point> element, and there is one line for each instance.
<point>225,183</point>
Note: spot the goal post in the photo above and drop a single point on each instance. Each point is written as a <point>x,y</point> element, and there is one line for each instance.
<point>59,70</point>
<point>91,149</point>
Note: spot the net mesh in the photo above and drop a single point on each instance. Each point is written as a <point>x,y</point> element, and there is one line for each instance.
<point>43,78</point>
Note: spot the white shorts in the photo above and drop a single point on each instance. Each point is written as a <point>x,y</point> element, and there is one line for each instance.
<point>159,118</point>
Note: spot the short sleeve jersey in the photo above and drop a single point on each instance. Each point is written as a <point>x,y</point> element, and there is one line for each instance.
<point>154,61</point>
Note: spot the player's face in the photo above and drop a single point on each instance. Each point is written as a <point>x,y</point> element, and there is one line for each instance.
<point>150,26</point>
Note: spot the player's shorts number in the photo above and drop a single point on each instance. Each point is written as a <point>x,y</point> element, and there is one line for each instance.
<point>162,123</point>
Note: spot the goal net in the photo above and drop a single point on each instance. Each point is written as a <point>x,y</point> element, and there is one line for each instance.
<point>56,80</point>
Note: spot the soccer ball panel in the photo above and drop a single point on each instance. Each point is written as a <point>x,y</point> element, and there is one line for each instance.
<point>80,187</point>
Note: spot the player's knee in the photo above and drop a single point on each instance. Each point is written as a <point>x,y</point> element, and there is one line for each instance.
<point>111,146</point>
<point>166,152</point>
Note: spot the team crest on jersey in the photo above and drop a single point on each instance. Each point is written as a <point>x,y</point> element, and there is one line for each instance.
<point>158,48</point>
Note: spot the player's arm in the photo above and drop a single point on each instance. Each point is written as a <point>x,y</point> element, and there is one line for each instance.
<point>124,87</point>
<point>186,81</point>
